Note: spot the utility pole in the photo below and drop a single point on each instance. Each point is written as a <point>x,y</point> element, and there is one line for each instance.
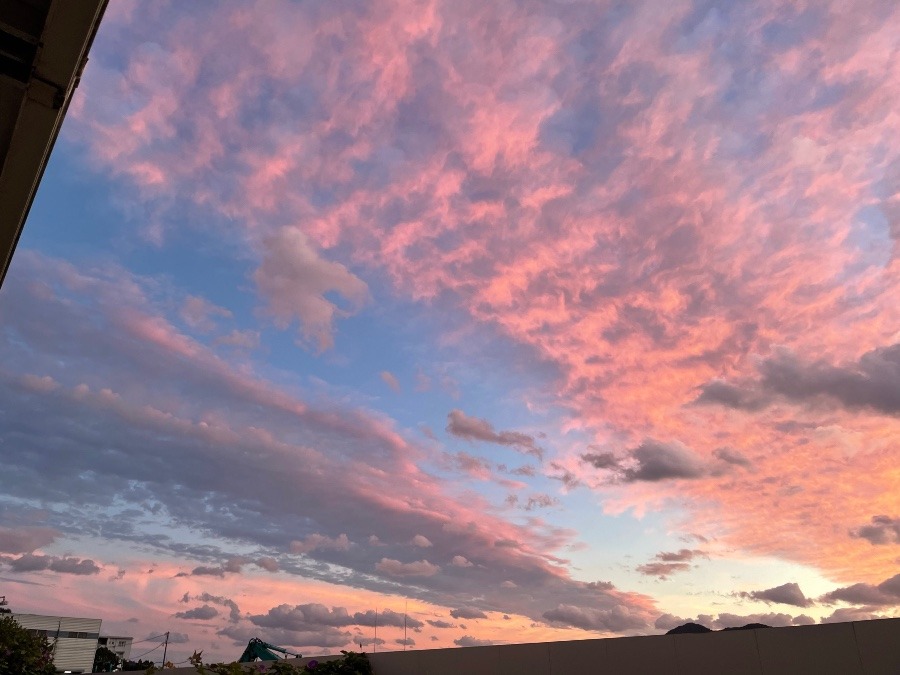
<point>56,640</point>
<point>165,649</point>
<point>405,608</point>
<point>375,639</point>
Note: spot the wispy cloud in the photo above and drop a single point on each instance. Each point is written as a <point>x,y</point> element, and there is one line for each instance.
<point>477,429</point>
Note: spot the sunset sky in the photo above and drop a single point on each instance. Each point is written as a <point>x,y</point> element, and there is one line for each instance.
<point>546,320</point>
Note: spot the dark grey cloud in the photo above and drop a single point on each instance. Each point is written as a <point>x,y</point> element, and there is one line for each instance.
<point>844,614</point>
<point>653,461</point>
<point>786,594</point>
<point>616,619</point>
<point>234,612</point>
<point>31,562</point>
<point>885,594</point>
<point>682,555</point>
<point>469,641</point>
<point>601,460</point>
<point>205,571</point>
<point>25,539</point>
<point>325,638</point>
<point>667,563</point>
<point>601,585</point>
<point>28,563</point>
<point>386,617</point>
<point>650,461</point>
<point>662,570</point>
<point>313,616</point>
<point>468,613</point>
<point>871,383</point>
<point>203,613</point>
<point>438,623</point>
<point>660,461</point>
<point>477,429</point>
<point>302,617</point>
<point>68,565</point>
<point>882,530</point>
<point>730,396</point>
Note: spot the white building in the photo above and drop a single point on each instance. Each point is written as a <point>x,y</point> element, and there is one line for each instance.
<point>74,640</point>
<point>121,646</point>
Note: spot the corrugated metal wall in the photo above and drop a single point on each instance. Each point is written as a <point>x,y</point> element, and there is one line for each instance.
<point>77,643</point>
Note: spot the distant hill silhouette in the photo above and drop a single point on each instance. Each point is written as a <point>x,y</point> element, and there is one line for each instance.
<point>749,626</point>
<point>697,628</point>
<point>689,628</point>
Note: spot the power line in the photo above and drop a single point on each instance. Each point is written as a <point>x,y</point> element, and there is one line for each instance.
<point>152,637</point>
<point>147,652</point>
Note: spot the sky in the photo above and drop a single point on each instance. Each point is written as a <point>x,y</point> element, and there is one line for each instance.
<point>528,320</point>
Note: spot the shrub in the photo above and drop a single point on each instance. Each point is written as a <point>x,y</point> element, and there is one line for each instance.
<point>351,663</point>
<point>22,652</point>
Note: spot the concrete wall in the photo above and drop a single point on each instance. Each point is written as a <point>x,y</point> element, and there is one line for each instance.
<point>859,648</point>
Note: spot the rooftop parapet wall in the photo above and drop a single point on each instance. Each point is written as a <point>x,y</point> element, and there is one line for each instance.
<point>858,648</point>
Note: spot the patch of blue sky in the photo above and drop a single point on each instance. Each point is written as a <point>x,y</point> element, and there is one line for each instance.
<point>871,238</point>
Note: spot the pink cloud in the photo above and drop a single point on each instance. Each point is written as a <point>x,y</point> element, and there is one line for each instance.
<point>395,568</point>
<point>294,279</point>
<point>665,201</point>
<point>241,339</point>
<point>421,541</point>
<point>200,314</point>
<point>316,542</point>
<point>391,380</point>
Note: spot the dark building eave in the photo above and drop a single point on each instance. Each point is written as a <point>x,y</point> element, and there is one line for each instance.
<point>44,46</point>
